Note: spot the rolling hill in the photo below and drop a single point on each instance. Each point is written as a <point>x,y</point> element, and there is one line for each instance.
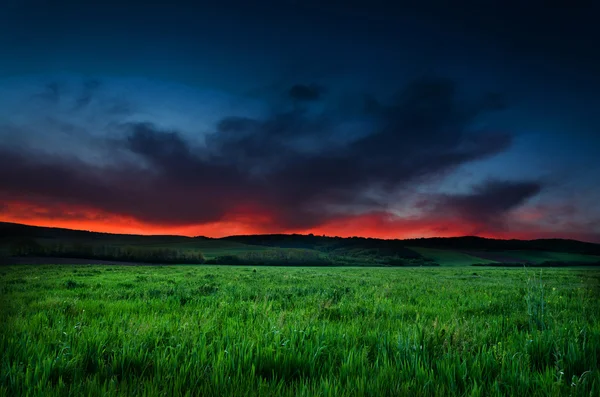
<point>297,249</point>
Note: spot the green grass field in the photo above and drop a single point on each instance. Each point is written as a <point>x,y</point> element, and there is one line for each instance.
<point>237,331</point>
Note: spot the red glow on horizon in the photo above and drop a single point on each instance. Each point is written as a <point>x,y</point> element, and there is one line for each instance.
<point>375,225</point>
<point>361,226</point>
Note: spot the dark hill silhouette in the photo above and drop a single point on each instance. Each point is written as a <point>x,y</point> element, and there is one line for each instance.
<point>11,231</point>
<point>454,243</point>
<point>14,232</point>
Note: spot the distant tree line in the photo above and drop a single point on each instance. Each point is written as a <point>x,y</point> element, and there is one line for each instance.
<point>285,257</point>
<point>332,245</point>
<point>107,252</point>
<point>352,256</point>
<point>306,257</point>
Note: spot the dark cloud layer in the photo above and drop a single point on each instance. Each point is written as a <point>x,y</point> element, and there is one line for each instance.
<point>303,92</point>
<point>288,167</point>
<point>488,203</point>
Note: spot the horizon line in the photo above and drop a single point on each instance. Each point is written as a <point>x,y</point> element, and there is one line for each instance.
<point>289,234</point>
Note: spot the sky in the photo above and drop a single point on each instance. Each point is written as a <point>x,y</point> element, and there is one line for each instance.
<point>345,118</point>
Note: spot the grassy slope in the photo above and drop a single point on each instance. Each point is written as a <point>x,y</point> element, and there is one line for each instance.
<point>449,257</point>
<point>209,247</point>
<point>212,331</point>
<point>543,256</point>
<point>446,252</point>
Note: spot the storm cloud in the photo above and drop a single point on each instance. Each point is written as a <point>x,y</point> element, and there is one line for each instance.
<point>302,116</point>
<point>290,165</point>
<point>306,92</point>
<point>488,203</point>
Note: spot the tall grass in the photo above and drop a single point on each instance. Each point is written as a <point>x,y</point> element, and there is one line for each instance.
<point>209,330</point>
<point>535,301</point>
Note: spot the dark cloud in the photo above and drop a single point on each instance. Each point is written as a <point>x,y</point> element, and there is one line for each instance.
<point>121,189</point>
<point>488,203</point>
<point>290,166</point>
<point>165,147</point>
<point>303,92</point>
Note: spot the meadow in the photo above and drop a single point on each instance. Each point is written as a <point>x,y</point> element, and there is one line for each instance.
<point>309,331</point>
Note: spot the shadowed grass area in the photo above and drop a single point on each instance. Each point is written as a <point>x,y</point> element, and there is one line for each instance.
<point>544,256</point>
<point>450,258</point>
<point>210,330</point>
